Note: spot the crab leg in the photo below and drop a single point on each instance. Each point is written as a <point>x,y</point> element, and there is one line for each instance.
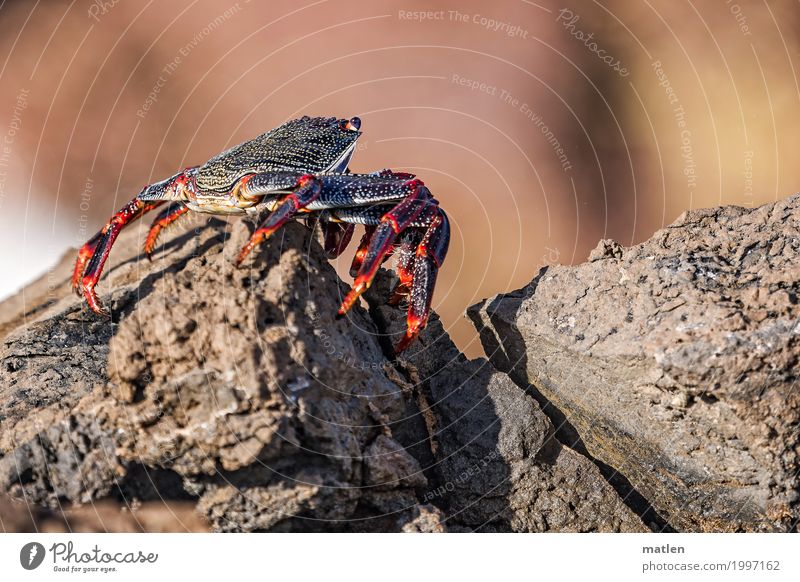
<point>421,252</point>
<point>406,256</point>
<point>429,257</point>
<point>99,246</point>
<point>392,224</point>
<point>324,192</point>
<point>307,189</point>
<point>166,217</point>
<point>337,237</point>
<point>84,254</point>
<point>361,252</point>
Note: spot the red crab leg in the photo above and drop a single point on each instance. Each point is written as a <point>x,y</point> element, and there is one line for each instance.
<point>392,223</point>
<point>429,257</point>
<point>358,258</point>
<point>307,190</point>
<point>337,237</point>
<point>84,254</point>
<point>405,265</point>
<point>103,241</point>
<point>361,252</point>
<point>166,217</point>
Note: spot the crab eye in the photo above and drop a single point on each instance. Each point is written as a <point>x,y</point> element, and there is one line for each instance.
<point>353,125</point>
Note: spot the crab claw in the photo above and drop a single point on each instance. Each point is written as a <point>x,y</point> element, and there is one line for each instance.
<point>337,237</point>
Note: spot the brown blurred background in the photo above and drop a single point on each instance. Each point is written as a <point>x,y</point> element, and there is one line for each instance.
<point>541,127</point>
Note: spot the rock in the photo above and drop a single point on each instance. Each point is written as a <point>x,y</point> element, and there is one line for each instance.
<point>674,362</point>
<point>427,519</point>
<point>235,388</point>
<point>237,392</point>
<point>388,464</point>
<point>494,464</point>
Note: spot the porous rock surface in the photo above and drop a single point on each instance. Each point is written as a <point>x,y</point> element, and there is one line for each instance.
<point>674,362</point>
<point>238,393</point>
<point>494,462</point>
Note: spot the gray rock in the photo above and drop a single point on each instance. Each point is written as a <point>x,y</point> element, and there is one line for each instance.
<point>494,464</point>
<point>674,362</point>
<point>237,388</point>
<point>238,392</point>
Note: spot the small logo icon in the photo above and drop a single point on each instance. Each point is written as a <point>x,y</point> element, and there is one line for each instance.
<point>31,555</point>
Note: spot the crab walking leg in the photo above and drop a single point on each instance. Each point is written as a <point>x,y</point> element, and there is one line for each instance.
<point>307,189</point>
<point>361,252</point>
<point>166,217</point>
<point>337,237</point>
<point>406,256</point>
<point>105,240</point>
<point>84,254</point>
<point>429,258</point>
<point>392,224</point>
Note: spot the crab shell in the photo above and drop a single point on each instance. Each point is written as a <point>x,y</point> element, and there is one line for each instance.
<point>309,144</point>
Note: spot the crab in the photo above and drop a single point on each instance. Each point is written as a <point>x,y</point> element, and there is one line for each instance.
<point>300,170</point>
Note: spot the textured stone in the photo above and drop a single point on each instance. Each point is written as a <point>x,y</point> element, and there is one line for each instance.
<point>494,464</point>
<point>233,387</point>
<point>239,393</point>
<point>675,362</point>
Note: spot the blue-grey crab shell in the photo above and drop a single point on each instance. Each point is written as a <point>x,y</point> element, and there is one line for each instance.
<point>308,144</point>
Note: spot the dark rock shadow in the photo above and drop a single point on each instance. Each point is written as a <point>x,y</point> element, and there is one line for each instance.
<point>145,483</point>
<point>450,401</point>
<point>505,347</point>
